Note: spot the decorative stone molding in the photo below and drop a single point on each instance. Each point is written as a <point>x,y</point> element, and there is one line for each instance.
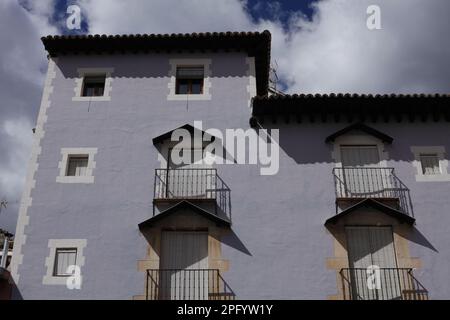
<point>62,165</point>
<point>53,244</point>
<point>82,72</point>
<point>30,182</point>
<point>174,63</point>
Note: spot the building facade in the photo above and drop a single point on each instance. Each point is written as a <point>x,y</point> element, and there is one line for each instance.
<point>359,187</point>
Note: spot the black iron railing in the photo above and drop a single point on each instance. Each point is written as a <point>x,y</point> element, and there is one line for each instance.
<point>381,284</point>
<point>193,184</point>
<point>185,184</point>
<point>382,183</point>
<point>187,284</point>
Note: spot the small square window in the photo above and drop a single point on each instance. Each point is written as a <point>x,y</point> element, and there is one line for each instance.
<point>64,257</point>
<point>77,166</point>
<point>430,164</point>
<point>93,86</point>
<point>189,80</point>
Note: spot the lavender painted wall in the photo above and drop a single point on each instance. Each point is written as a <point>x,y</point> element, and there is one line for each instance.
<point>278,245</point>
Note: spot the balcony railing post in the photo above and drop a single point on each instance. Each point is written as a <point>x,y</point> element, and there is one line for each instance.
<point>185,284</point>
<point>371,182</point>
<point>396,283</point>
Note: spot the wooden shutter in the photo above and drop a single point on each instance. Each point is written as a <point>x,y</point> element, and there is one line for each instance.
<point>181,252</point>
<point>372,246</point>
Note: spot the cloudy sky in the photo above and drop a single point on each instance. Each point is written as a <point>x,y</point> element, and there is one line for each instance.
<point>318,46</point>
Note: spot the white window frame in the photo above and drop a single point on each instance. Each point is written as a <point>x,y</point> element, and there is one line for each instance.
<point>53,244</point>
<point>82,73</point>
<point>56,260</point>
<point>65,154</point>
<point>443,163</point>
<point>174,63</point>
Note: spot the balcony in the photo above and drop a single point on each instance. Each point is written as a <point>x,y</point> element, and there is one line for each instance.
<point>198,185</point>
<point>395,284</point>
<point>187,284</point>
<point>354,184</point>
<point>183,184</point>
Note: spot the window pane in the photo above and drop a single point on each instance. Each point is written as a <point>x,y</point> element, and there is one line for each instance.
<point>430,164</point>
<point>182,87</point>
<point>77,166</point>
<point>189,80</point>
<point>63,259</point>
<point>197,86</point>
<point>93,86</point>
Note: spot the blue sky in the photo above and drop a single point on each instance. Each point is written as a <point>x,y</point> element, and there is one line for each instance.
<point>319,46</point>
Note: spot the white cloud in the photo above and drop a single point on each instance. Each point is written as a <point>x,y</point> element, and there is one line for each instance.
<point>333,52</point>
<point>336,52</point>
<point>22,61</point>
<point>165,16</point>
<point>18,134</point>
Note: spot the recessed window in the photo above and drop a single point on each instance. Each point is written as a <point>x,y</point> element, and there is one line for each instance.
<point>64,257</point>
<point>93,86</point>
<point>63,253</point>
<point>430,164</point>
<point>77,166</point>
<point>189,80</point>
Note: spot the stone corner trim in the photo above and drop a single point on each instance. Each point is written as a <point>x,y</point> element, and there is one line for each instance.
<point>25,203</point>
<point>251,74</point>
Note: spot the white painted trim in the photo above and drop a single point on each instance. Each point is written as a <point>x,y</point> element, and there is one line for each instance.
<point>62,165</point>
<point>358,139</point>
<point>251,74</point>
<point>174,63</point>
<point>54,244</point>
<point>26,201</point>
<point>82,72</point>
<point>443,163</point>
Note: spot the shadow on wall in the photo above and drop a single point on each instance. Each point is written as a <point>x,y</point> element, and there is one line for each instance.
<point>232,240</point>
<point>149,65</point>
<point>417,237</point>
<point>305,142</point>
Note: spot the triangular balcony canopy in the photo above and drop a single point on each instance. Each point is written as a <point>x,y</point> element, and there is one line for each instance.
<point>166,136</point>
<point>371,203</point>
<point>181,207</point>
<point>360,127</point>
